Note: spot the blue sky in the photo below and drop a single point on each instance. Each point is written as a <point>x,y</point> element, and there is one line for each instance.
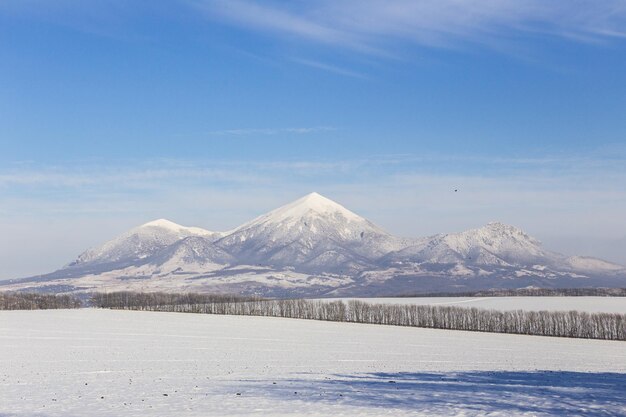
<point>113,113</point>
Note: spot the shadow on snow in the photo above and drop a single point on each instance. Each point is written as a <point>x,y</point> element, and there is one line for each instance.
<point>535,393</point>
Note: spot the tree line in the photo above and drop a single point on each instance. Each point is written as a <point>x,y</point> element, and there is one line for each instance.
<point>540,323</point>
<point>150,300</point>
<point>33,301</point>
<point>529,292</point>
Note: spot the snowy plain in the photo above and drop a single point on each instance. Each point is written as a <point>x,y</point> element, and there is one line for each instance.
<point>587,304</point>
<point>93,362</point>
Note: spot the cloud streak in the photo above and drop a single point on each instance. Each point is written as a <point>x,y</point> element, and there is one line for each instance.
<point>367,26</point>
<point>376,28</point>
<point>371,25</point>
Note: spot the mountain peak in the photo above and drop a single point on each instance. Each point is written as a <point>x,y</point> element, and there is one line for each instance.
<point>315,201</point>
<point>310,231</point>
<point>314,195</point>
<point>506,242</point>
<point>176,228</point>
<point>164,223</point>
<point>141,242</point>
<point>502,230</point>
<point>498,224</point>
<point>318,203</point>
<point>313,204</point>
<point>314,198</point>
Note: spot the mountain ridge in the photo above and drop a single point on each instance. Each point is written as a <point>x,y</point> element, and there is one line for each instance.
<point>314,246</point>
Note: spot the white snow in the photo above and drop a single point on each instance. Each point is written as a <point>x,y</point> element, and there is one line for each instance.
<point>194,277</point>
<point>309,215</point>
<point>166,224</point>
<point>494,244</point>
<point>312,203</point>
<point>297,233</point>
<point>93,363</point>
<point>141,242</point>
<point>585,263</point>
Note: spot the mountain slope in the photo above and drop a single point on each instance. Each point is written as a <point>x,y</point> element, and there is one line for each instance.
<point>494,244</point>
<point>311,233</point>
<point>190,254</point>
<point>586,263</point>
<point>139,243</point>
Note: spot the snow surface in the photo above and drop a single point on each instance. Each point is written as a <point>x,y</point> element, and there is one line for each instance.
<point>113,363</point>
<point>586,304</point>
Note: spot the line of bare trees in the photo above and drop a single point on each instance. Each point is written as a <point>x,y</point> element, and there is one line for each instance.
<point>153,300</point>
<point>32,301</point>
<point>540,323</point>
<point>530,292</point>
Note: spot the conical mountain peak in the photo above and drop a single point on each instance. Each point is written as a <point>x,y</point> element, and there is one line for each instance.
<point>312,229</point>
<point>311,205</point>
<point>320,204</point>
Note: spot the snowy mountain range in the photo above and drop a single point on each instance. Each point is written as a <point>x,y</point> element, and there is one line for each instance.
<point>316,247</point>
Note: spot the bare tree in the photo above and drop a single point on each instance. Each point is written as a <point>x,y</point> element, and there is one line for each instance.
<point>34,301</point>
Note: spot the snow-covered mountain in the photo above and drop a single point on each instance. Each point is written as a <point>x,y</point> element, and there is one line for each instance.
<point>140,243</point>
<point>494,244</point>
<point>313,247</point>
<point>311,234</point>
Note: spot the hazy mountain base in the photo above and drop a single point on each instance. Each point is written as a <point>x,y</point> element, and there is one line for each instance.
<point>266,282</point>
<point>408,283</point>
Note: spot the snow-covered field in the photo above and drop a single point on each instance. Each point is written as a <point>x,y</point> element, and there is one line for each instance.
<point>588,304</point>
<point>125,363</point>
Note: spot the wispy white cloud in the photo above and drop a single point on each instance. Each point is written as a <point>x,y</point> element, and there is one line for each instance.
<point>279,20</point>
<point>369,25</point>
<point>372,27</point>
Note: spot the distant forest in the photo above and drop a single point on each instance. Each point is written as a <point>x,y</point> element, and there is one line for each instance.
<point>137,300</point>
<point>528,292</point>
<point>33,301</point>
<point>541,323</point>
